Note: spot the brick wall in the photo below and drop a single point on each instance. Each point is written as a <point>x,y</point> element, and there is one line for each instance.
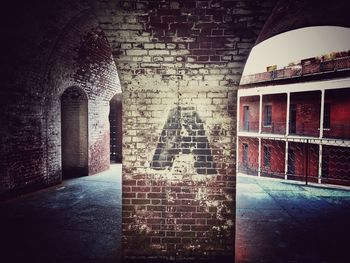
<point>308,106</point>
<point>180,63</point>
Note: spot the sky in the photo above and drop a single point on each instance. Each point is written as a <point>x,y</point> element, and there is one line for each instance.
<point>295,45</point>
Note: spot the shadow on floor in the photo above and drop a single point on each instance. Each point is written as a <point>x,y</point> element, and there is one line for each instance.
<point>78,221</point>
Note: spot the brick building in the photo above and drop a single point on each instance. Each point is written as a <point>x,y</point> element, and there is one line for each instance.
<point>157,79</point>
<point>294,121</point>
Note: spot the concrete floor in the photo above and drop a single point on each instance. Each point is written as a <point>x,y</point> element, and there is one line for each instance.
<point>284,221</point>
<point>79,221</point>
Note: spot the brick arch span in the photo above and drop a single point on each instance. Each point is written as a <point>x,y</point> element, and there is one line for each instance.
<point>186,55</point>
<point>81,57</point>
<point>169,54</point>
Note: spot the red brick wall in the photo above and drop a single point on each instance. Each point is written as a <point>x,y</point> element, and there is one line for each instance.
<point>339,101</point>
<point>308,105</point>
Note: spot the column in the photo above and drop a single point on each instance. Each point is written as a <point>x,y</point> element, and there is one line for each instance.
<point>287,115</point>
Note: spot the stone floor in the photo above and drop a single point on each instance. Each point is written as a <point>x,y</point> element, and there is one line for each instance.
<point>284,221</point>
<point>79,221</point>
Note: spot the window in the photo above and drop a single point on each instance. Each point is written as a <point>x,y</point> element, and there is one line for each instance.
<point>267,156</point>
<point>267,115</point>
<point>327,116</point>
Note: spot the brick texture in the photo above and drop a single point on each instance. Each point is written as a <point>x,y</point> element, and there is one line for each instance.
<point>60,48</point>
<point>180,63</point>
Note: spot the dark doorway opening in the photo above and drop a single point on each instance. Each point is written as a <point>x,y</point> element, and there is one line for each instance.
<point>74,132</point>
<point>116,131</point>
<point>293,119</point>
<point>246,117</point>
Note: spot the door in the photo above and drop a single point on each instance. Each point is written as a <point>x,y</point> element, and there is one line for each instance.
<point>293,119</point>
<point>245,155</point>
<point>291,161</point>
<point>246,117</point>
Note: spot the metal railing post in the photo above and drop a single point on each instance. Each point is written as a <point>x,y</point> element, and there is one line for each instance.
<point>307,162</point>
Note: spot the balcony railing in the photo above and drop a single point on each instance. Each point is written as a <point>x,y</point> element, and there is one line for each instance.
<point>251,126</point>
<point>337,131</point>
<point>304,129</point>
<point>274,128</point>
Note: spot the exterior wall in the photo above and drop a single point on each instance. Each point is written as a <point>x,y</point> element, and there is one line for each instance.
<point>252,166</point>
<point>308,105</point>
<point>180,63</point>
<point>278,103</point>
<point>253,103</point>
<point>277,160</point>
<point>339,100</point>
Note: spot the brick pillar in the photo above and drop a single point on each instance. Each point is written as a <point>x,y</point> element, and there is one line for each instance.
<point>180,63</point>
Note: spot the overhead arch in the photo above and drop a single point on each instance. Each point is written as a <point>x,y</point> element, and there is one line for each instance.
<point>295,45</point>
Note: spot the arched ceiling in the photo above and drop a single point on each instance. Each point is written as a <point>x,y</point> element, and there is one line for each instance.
<point>293,14</point>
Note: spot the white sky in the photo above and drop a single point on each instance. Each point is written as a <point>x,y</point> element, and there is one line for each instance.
<point>295,45</point>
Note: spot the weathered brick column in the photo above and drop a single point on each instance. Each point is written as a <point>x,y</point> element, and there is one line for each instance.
<point>180,63</point>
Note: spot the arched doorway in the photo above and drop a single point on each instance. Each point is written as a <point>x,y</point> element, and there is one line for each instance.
<point>116,133</point>
<point>74,132</point>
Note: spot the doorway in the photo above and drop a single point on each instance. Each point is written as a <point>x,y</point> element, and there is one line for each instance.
<point>246,117</point>
<point>293,119</point>
<point>116,131</point>
<point>74,133</point>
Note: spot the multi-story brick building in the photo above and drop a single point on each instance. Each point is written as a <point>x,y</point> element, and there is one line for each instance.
<point>294,122</point>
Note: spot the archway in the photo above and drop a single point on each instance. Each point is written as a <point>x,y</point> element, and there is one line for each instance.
<point>116,132</point>
<point>74,133</point>
<point>288,82</point>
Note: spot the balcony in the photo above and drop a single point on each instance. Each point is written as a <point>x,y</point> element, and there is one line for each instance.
<point>274,128</point>
<point>251,126</point>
